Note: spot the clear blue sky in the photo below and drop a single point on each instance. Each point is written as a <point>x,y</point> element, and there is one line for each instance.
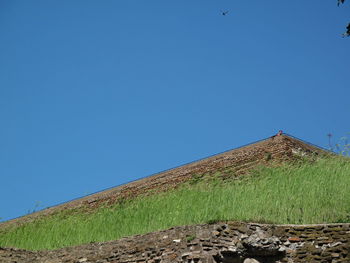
<point>97,93</point>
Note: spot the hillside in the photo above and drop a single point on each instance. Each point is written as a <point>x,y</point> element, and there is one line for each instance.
<point>303,192</point>
<point>232,163</point>
<point>280,180</point>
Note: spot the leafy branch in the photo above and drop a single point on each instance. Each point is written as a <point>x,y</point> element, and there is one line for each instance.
<point>347,33</point>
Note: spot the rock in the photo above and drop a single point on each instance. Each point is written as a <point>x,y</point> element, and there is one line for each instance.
<point>294,239</point>
<point>282,249</point>
<point>335,244</point>
<point>261,234</point>
<point>287,243</point>
<point>250,260</point>
<point>244,236</point>
<point>216,233</point>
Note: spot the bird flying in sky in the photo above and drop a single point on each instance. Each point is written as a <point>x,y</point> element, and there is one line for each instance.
<point>347,33</point>
<point>341,2</point>
<point>224,12</point>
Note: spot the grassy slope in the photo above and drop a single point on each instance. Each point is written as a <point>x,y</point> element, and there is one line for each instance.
<point>299,194</point>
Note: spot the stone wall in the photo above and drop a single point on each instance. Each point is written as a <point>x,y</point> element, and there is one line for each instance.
<point>226,242</point>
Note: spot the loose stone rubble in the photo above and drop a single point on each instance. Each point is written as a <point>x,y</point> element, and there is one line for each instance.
<point>226,242</point>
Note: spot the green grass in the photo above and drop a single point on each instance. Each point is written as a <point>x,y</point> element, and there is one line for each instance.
<point>301,193</point>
